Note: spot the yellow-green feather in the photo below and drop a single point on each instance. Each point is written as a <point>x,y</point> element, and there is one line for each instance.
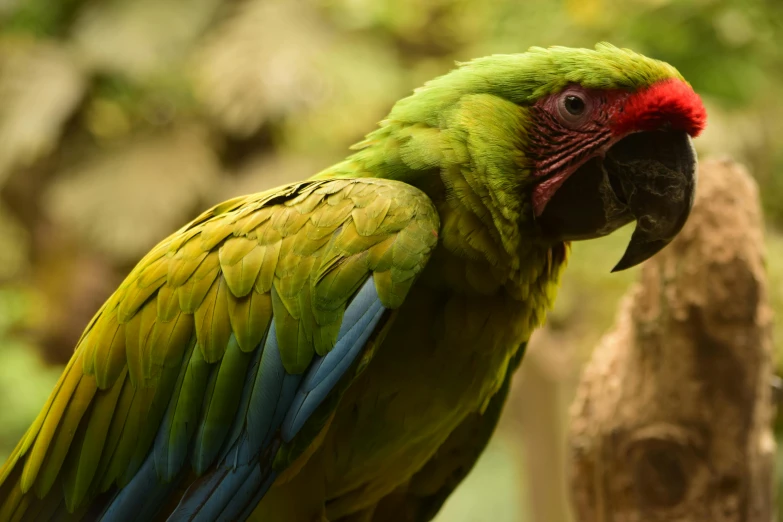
<point>241,260</point>
<point>101,481</point>
<point>110,356</point>
<point>213,327</point>
<point>189,393</point>
<point>66,429</point>
<point>137,337</point>
<point>220,405</point>
<point>250,318</point>
<point>87,454</point>
<point>50,419</point>
<point>167,342</point>
<point>187,321</point>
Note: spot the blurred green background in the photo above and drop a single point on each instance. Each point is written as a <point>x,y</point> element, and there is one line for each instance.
<point>121,119</point>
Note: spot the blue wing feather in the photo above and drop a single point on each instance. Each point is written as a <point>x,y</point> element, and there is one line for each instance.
<point>141,498</point>
<point>366,311</point>
<point>366,301</point>
<point>238,428</point>
<point>273,391</point>
<point>173,439</point>
<point>275,405</point>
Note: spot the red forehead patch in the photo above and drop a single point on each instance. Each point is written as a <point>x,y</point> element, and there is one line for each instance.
<point>671,102</point>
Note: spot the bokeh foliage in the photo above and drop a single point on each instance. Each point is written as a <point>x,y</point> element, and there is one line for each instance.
<point>122,119</point>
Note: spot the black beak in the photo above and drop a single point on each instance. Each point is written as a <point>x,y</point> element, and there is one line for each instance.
<point>647,176</point>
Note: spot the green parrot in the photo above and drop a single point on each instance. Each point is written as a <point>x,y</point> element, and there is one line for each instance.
<point>339,349</point>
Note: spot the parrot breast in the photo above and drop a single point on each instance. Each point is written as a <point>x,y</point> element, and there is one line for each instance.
<point>443,357</point>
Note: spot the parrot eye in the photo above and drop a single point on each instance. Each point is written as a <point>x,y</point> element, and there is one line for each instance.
<point>572,107</point>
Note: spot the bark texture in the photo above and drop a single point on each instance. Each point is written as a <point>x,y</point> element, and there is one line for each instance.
<point>672,418</point>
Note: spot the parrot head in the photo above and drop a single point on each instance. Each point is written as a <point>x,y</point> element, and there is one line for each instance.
<point>600,137</point>
<point>606,157</point>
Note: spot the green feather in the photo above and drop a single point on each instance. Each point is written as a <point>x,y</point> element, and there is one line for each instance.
<point>295,356</point>
<point>137,338</point>
<point>86,453</point>
<point>368,219</point>
<point>110,355</point>
<point>167,303</point>
<point>87,346</point>
<point>192,293</point>
<point>221,403</point>
<point>251,223</point>
<point>379,256</point>
<point>181,418</point>
<point>66,429</point>
<point>216,231</point>
<point>155,409</point>
<point>102,481</point>
<point>292,275</point>
<point>50,418</point>
<point>288,221</point>
<point>213,326</point>
<point>349,242</point>
<point>266,275</point>
<point>12,501</point>
<point>167,343</point>
<point>148,282</point>
<point>250,318</point>
<point>241,260</point>
<point>330,216</point>
<point>184,262</point>
<point>127,437</point>
<point>234,249</point>
<point>312,239</point>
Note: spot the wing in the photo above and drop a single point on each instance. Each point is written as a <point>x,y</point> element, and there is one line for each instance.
<point>220,357</point>
<point>423,496</point>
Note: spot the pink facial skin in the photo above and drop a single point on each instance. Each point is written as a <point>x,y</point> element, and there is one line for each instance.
<point>562,141</point>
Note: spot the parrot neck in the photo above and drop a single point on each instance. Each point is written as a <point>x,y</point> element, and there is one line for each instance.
<point>475,174</point>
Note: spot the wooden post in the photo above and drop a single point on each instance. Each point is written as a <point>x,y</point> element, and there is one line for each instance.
<point>672,417</point>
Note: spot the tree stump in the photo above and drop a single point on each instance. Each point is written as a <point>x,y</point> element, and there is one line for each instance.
<point>672,417</point>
